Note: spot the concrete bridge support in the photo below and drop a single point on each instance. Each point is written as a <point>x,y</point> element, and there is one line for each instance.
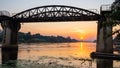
<point>104,48</point>
<point>104,37</point>
<point>10,41</point>
<point>104,63</point>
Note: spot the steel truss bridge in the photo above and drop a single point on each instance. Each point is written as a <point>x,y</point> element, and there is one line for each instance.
<point>52,13</point>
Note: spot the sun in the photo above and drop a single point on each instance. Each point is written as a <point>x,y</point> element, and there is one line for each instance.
<point>81,37</point>
<point>79,33</point>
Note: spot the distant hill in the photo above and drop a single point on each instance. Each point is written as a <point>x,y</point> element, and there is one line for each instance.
<point>34,38</point>
<point>27,38</point>
<point>117,40</point>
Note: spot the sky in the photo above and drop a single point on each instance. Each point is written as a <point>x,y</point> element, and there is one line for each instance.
<point>15,6</point>
<point>77,29</point>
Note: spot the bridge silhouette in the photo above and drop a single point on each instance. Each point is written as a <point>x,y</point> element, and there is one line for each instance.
<point>51,13</point>
<point>55,13</point>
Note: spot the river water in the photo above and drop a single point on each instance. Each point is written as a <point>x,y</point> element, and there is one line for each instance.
<point>61,55</point>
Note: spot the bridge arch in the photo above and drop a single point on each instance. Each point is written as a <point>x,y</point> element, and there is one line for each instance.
<point>55,13</point>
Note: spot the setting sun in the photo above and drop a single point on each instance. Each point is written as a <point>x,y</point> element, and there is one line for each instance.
<point>81,37</point>
<point>80,33</point>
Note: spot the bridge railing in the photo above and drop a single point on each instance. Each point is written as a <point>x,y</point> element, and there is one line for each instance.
<point>106,7</point>
<point>4,13</point>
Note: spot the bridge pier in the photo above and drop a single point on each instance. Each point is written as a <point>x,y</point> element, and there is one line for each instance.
<point>104,63</point>
<point>10,41</point>
<point>104,48</point>
<point>104,37</point>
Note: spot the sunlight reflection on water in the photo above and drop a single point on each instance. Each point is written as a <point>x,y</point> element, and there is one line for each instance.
<point>71,54</point>
<point>82,50</point>
<point>60,55</point>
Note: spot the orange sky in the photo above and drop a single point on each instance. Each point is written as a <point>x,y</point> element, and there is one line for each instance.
<point>78,30</point>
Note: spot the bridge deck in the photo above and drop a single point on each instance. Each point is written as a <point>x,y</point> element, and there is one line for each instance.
<point>54,13</point>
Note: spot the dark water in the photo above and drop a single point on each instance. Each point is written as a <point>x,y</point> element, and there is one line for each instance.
<point>61,55</point>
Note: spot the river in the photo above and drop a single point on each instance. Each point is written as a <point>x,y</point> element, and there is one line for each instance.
<point>61,55</point>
